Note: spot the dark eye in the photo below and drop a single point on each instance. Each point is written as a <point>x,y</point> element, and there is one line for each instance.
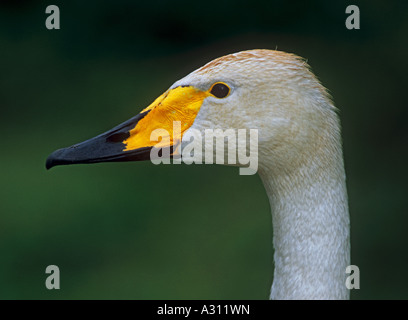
<point>220,90</point>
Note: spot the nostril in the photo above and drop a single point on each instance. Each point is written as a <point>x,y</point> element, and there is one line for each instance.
<point>117,137</point>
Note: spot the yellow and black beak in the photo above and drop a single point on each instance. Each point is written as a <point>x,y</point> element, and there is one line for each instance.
<point>106,147</point>
<point>134,139</point>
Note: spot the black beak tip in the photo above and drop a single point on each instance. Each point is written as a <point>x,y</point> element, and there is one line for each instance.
<point>50,162</point>
<point>56,158</point>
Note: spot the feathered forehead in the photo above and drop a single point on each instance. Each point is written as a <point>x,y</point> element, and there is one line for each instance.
<point>252,60</point>
<point>252,68</point>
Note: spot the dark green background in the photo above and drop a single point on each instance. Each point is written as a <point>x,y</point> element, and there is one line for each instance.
<point>140,231</point>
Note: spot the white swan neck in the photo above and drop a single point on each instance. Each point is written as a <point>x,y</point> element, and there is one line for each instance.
<point>310,231</point>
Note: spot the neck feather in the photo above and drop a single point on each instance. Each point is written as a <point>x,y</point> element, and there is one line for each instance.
<point>310,227</point>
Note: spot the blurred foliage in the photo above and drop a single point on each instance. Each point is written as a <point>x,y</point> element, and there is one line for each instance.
<point>139,231</point>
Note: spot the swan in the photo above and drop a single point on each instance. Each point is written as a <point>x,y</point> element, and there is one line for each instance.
<point>300,160</point>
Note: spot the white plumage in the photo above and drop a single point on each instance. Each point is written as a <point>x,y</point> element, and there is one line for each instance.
<point>300,164</point>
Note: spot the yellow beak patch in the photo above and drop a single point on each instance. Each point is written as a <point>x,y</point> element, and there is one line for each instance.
<point>178,104</point>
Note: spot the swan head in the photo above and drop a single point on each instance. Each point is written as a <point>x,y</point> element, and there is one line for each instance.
<point>297,145</point>
<point>265,90</point>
